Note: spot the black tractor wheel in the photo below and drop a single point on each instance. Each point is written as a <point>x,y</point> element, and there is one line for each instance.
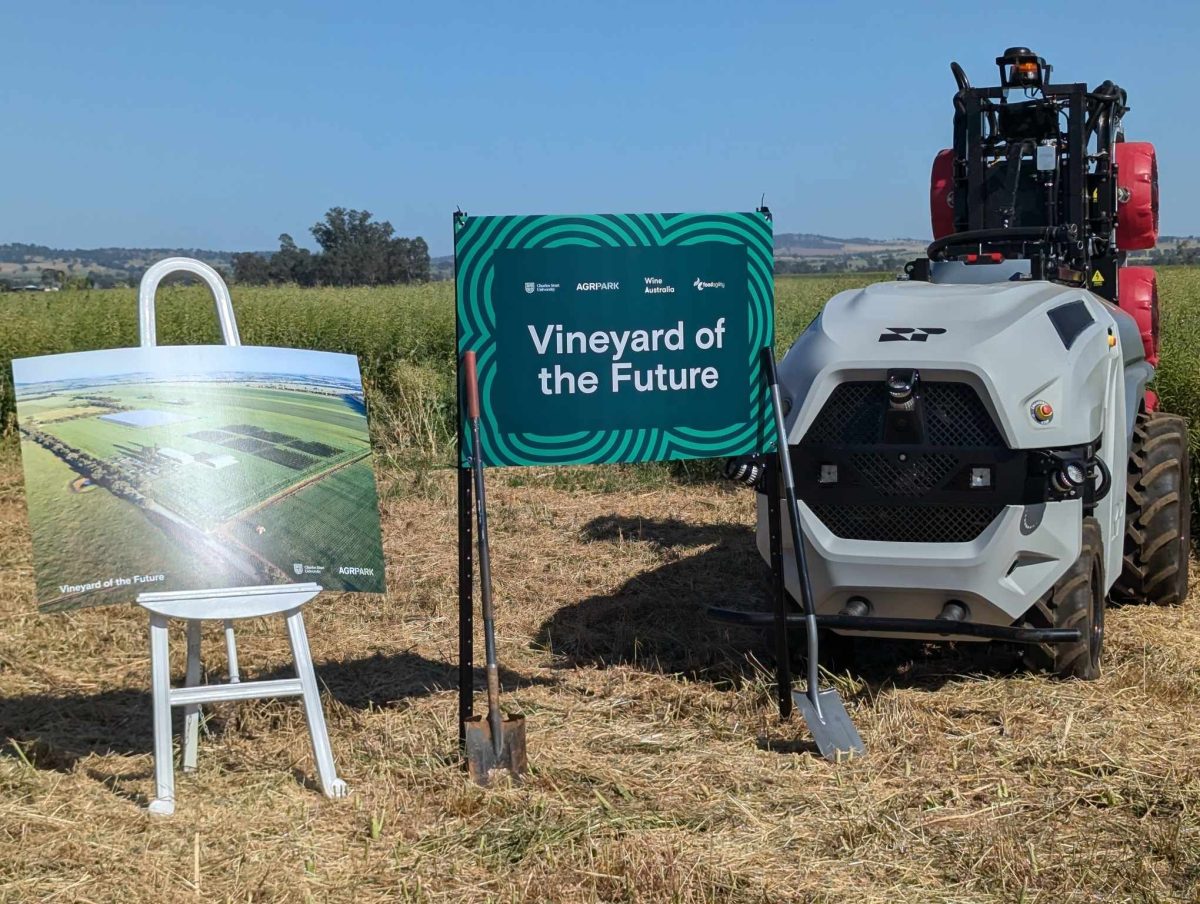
<point>1158,510</point>
<point>1076,601</point>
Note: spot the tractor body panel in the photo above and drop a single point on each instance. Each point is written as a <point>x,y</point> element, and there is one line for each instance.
<point>894,517</point>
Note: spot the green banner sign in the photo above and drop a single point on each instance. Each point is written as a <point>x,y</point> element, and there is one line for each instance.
<point>617,338</point>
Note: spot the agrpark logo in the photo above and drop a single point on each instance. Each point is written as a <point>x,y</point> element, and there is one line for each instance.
<point>597,287</point>
<point>355,570</point>
<point>701,285</point>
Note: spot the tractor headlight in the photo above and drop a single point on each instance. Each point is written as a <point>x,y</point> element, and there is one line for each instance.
<point>1069,478</point>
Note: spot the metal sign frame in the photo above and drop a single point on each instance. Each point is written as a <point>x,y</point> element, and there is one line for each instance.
<point>631,230</point>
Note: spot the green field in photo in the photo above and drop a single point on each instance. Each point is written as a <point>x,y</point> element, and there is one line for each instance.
<point>323,526</point>
<point>224,480</point>
<point>113,532</point>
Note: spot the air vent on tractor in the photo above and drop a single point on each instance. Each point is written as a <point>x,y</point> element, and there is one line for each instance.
<point>907,523</point>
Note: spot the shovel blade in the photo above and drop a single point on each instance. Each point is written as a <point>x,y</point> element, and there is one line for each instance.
<point>483,764</point>
<point>835,734</point>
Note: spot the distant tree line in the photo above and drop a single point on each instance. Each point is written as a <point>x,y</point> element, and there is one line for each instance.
<point>99,472</point>
<point>878,263</point>
<point>1186,251</point>
<point>355,251</point>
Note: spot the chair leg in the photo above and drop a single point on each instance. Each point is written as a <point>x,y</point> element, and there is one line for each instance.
<point>160,686</point>
<point>322,752</point>
<point>231,652</point>
<point>191,712</point>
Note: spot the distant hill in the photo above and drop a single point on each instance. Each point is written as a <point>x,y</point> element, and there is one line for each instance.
<point>800,244</point>
<point>795,252</point>
<point>23,264</point>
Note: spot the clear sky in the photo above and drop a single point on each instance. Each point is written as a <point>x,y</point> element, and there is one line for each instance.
<point>166,361</point>
<point>220,125</point>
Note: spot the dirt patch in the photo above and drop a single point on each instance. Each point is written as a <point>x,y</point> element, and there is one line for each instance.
<point>82,485</point>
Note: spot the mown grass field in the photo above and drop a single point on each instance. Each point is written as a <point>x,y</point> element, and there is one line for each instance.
<point>660,771</point>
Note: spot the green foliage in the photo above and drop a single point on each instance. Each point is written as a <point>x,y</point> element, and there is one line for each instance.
<point>404,338</point>
<point>383,326</point>
<point>355,251</point>
<point>1177,380</point>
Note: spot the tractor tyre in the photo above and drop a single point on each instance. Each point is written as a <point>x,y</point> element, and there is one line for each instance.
<point>1076,601</point>
<point>1158,511</point>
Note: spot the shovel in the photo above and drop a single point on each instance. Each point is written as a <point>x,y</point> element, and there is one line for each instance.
<point>495,744</point>
<point>823,711</point>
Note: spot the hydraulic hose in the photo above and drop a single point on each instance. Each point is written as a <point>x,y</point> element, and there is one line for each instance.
<point>1001,234</point>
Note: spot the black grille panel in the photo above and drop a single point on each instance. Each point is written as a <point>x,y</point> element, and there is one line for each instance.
<point>954,416</point>
<point>916,476</point>
<point>896,484</point>
<point>853,414</point>
<point>907,523</point>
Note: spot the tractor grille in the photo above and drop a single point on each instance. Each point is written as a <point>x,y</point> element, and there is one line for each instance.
<point>954,416</point>
<point>915,477</point>
<point>853,414</point>
<point>907,523</point>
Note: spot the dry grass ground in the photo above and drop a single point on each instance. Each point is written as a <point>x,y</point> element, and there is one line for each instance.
<point>660,770</point>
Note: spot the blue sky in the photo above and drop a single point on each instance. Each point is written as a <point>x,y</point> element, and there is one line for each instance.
<point>166,360</point>
<point>221,125</point>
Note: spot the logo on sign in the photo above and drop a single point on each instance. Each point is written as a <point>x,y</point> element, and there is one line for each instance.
<point>530,287</point>
<point>298,568</point>
<point>597,286</point>
<point>701,285</point>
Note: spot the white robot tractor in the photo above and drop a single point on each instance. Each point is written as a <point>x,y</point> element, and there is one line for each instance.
<point>975,451</point>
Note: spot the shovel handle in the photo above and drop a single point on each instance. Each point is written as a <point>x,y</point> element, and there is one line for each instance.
<point>793,510</point>
<point>472,380</point>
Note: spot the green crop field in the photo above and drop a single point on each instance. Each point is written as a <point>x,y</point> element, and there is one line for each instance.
<point>324,526</point>
<point>404,339</point>
<point>94,520</point>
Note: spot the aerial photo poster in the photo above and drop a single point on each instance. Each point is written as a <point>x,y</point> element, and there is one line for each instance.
<point>196,468</point>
